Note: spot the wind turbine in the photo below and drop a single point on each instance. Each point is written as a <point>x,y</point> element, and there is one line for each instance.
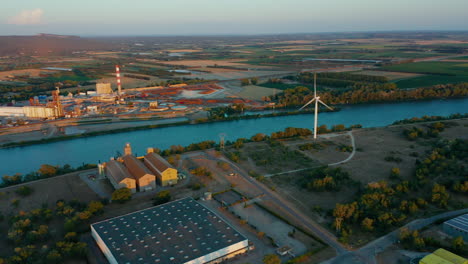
<point>317,100</point>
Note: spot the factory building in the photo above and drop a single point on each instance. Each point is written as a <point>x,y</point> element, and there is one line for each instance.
<point>12,111</point>
<point>457,227</point>
<point>29,111</point>
<point>442,256</point>
<point>143,177</point>
<point>103,88</point>
<point>183,231</point>
<point>40,112</point>
<point>165,173</point>
<point>119,176</point>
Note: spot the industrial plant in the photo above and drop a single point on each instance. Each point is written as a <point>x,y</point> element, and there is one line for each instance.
<point>183,231</point>
<point>137,175</point>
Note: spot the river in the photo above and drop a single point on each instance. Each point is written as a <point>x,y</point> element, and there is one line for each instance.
<point>100,148</point>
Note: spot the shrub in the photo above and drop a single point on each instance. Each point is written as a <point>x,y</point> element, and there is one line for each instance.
<point>122,195</point>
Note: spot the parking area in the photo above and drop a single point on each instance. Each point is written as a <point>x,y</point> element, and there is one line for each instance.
<point>279,231</point>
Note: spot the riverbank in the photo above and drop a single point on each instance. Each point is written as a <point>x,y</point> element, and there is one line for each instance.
<point>99,148</point>
<point>145,127</point>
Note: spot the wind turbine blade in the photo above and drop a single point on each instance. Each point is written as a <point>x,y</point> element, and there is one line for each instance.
<point>315,84</point>
<point>325,105</point>
<point>311,101</point>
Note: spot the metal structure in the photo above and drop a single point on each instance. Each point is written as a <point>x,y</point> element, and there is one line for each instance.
<point>119,83</point>
<point>222,136</point>
<point>317,100</point>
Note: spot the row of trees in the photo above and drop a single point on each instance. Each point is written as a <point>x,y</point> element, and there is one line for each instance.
<point>45,171</point>
<point>370,93</point>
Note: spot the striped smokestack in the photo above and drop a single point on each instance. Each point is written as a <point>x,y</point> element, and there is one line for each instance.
<point>119,84</point>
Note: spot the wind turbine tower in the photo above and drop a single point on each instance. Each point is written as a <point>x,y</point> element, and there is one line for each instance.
<point>317,100</point>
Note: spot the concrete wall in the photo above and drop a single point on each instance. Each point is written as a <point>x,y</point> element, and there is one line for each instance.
<point>39,112</point>
<point>105,250</point>
<point>147,183</point>
<point>168,177</point>
<point>222,254</point>
<point>12,111</point>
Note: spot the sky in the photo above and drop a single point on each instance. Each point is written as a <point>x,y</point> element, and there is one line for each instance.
<point>226,17</point>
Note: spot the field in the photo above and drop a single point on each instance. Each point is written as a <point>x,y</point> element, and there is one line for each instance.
<point>391,76</point>
<point>256,92</point>
<point>378,151</point>
<point>435,73</point>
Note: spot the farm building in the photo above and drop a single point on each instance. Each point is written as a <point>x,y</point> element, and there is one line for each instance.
<point>119,176</point>
<point>457,227</point>
<point>165,173</point>
<point>183,231</point>
<point>144,179</point>
<point>442,256</point>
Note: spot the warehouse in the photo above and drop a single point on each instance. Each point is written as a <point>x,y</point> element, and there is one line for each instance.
<point>183,231</point>
<point>144,179</point>
<point>119,176</point>
<point>165,173</point>
<point>457,227</point>
<point>442,256</point>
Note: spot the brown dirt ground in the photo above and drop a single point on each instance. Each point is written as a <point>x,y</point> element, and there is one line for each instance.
<point>30,72</point>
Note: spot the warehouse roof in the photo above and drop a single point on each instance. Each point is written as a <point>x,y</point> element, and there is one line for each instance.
<point>453,258</point>
<point>157,162</point>
<point>136,167</point>
<point>460,222</point>
<point>117,171</point>
<point>175,232</point>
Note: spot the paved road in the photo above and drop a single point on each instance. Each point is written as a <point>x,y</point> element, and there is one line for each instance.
<point>353,144</point>
<point>320,232</point>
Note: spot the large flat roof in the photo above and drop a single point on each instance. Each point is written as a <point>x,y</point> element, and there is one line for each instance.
<point>175,232</point>
<point>460,222</point>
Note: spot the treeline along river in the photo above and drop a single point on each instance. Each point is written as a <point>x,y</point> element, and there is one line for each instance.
<point>100,148</point>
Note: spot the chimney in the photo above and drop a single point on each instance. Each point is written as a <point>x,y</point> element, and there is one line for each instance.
<point>127,149</point>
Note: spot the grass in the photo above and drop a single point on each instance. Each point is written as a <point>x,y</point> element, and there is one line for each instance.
<point>460,58</point>
<point>437,73</point>
<point>69,78</point>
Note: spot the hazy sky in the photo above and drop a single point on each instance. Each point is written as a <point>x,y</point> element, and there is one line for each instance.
<point>193,17</point>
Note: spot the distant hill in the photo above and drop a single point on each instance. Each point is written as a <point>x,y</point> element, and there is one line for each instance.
<point>47,44</point>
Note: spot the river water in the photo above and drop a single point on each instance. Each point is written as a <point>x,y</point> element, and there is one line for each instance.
<point>100,148</point>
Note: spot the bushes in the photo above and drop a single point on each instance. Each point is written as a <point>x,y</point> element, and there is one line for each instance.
<point>24,191</point>
<point>122,195</point>
<point>325,179</point>
<point>162,198</point>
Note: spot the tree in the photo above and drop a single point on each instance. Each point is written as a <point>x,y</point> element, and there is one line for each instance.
<point>395,173</point>
<point>458,244</point>
<point>95,207</point>
<point>122,195</point>
<point>162,197</point>
<point>47,170</point>
<point>367,224</point>
<point>271,259</point>
<point>245,82</point>
<point>254,81</point>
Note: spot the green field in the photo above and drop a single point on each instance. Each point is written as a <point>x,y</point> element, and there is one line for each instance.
<point>283,86</point>
<point>436,73</point>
